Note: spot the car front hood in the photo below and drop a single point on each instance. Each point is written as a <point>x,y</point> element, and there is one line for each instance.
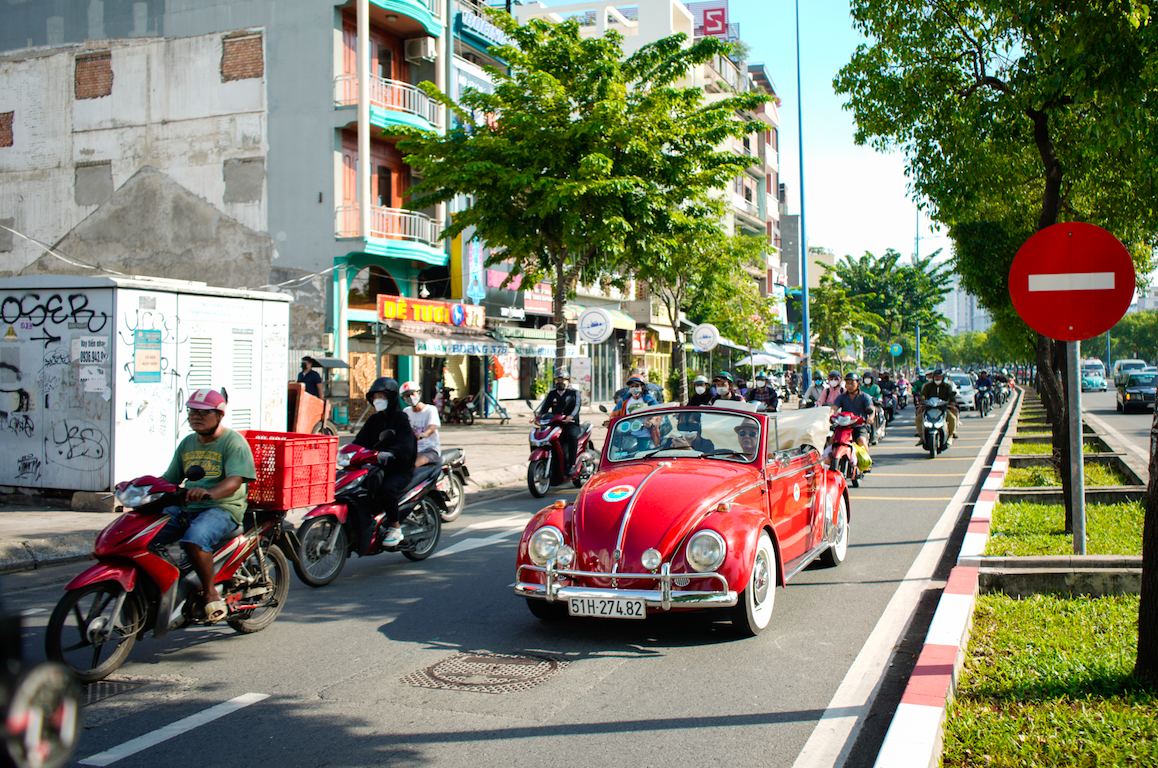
<point>661,504</point>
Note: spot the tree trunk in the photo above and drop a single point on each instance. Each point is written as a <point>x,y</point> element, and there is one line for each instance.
<point>1054,400</point>
<point>560,318</point>
<point>1146,664</point>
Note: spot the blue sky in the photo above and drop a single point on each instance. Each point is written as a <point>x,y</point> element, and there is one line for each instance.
<point>856,197</point>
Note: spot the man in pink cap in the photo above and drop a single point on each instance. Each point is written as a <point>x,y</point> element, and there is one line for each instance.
<point>215,504</point>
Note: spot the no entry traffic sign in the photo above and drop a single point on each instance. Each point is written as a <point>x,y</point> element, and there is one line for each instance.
<point>1072,281</point>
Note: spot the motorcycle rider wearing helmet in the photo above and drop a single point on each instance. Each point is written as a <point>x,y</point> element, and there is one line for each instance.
<point>761,392</point>
<point>396,452</point>
<point>722,381</point>
<point>688,435</point>
<point>856,402</point>
<point>637,398</point>
<point>941,387</point>
<point>983,380</point>
<point>215,504</point>
<point>702,391</point>
<point>425,423</point>
<point>563,400</point>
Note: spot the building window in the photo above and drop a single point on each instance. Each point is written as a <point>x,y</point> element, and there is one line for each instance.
<point>94,76</point>
<point>6,128</point>
<point>241,57</point>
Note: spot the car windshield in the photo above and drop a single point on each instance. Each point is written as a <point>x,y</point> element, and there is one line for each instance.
<point>961,380</point>
<point>686,433</point>
<point>1141,380</point>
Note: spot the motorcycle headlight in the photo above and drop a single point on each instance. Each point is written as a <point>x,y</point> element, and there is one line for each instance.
<point>137,496</point>
<point>544,544</point>
<point>343,460</point>
<point>706,551</point>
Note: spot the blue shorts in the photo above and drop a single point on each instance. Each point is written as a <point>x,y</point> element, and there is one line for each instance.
<point>206,530</point>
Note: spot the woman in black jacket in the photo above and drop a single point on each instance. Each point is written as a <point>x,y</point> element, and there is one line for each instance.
<point>397,450</point>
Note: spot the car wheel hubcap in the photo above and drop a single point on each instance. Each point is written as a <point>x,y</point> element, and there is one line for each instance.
<point>760,580</point>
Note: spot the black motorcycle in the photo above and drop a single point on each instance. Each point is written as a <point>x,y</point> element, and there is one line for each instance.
<point>39,705</point>
<point>984,401</point>
<point>889,406</point>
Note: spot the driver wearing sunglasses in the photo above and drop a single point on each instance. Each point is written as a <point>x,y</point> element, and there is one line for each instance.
<point>749,435</point>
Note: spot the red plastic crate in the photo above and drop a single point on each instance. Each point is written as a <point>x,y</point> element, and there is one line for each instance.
<point>293,470</point>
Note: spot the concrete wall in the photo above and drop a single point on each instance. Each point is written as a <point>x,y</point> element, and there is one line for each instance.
<point>168,109</point>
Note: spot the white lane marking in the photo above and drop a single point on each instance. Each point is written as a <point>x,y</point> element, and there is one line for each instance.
<point>514,521</point>
<point>1129,444</point>
<point>1072,281</point>
<point>141,743</point>
<point>496,499</point>
<point>835,733</point>
<point>469,544</point>
<point>30,611</point>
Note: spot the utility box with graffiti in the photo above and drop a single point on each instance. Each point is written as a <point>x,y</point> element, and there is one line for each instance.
<point>95,371</point>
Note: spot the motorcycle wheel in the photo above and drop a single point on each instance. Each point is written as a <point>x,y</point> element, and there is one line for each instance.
<point>80,613</point>
<point>429,524</point>
<point>587,470</point>
<point>315,566</point>
<point>984,408</point>
<point>931,441</point>
<point>325,427</point>
<point>456,497</point>
<point>467,416</point>
<point>257,619</point>
<point>538,480</point>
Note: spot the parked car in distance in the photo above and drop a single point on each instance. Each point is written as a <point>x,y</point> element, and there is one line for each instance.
<point>966,392</point>
<point>1125,366</point>
<point>691,508</point>
<point>1137,392</point>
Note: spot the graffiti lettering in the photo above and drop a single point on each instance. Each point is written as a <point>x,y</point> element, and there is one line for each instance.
<point>76,444</point>
<point>13,401</point>
<point>57,356</point>
<point>28,466</point>
<point>52,310</point>
<point>20,424</point>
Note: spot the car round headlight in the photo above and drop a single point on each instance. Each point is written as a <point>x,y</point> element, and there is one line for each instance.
<point>706,551</point>
<point>544,544</point>
<point>565,556</point>
<point>651,559</point>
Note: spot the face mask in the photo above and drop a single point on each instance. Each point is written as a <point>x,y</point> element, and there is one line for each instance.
<point>412,400</point>
<point>303,366</point>
<point>560,386</point>
<point>381,404</point>
<point>635,391</point>
<point>834,382</point>
<point>760,383</point>
<point>701,389</point>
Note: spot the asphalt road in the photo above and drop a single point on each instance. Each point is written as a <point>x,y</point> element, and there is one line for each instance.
<point>342,669</point>
<point>1134,427</point>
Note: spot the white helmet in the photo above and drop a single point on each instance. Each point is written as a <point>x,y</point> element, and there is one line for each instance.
<point>409,388</point>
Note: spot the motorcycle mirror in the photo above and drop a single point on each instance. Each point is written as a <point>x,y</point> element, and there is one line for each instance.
<point>529,404</point>
<point>385,435</point>
<point>603,408</point>
<point>195,473</point>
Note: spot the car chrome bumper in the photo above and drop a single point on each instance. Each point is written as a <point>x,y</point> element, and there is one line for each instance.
<point>663,598</point>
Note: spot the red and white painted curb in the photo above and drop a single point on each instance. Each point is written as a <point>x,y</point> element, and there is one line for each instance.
<point>914,736</point>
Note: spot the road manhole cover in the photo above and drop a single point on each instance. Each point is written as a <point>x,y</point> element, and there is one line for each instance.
<point>103,689</point>
<point>486,672</point>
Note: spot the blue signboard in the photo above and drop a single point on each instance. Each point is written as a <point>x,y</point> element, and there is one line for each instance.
<point>147,357</point>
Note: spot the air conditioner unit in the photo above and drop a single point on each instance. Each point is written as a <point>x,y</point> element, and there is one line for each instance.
<point>420,49</point>
<point>328,342</point>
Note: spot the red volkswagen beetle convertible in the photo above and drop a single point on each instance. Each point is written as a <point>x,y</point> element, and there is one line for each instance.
<point>691,508</point>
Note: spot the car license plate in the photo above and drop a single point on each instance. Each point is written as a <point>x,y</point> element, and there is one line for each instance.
<point>607,607</point>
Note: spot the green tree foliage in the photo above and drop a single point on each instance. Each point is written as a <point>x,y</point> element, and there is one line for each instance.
<point>902,295</point>
<point>1134,336</point>
<point>836,315</point>
<point>579,158</point>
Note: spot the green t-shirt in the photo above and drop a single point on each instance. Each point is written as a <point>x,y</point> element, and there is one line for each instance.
<point>226,456</point>
<point>872,390</point>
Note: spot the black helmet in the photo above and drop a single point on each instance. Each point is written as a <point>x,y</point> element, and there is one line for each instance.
<point>387,385</point>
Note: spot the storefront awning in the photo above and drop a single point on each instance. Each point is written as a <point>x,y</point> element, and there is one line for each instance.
<point>618,319</point>
<point>664,332</point>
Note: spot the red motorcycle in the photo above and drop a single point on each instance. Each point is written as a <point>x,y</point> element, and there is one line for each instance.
<point>546,464</point>
<point>136,586</point>
<point>328,530</point>
<point>843,456</point>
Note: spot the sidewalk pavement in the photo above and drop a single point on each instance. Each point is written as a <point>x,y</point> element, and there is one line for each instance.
<point>35,532</point>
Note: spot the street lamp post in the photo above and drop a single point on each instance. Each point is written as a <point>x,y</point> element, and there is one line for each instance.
<point>803,233</point>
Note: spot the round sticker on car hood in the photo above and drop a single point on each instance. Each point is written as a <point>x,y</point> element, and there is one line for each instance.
<point>618,493</point>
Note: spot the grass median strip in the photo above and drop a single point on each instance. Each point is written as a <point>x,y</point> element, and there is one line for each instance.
<point>1024,449</point>
<point>1038,477</point>
<point>1023,529</point>
<point>1047,683</point>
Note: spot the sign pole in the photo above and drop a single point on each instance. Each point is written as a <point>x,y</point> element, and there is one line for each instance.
<point>1077,476</point>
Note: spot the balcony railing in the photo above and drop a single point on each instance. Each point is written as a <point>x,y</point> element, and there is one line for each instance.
<point>389,94</point>
<point>744,205</point>
<point>389,224</point>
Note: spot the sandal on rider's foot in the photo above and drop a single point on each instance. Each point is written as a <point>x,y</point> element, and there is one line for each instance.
<point>215,611</point>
